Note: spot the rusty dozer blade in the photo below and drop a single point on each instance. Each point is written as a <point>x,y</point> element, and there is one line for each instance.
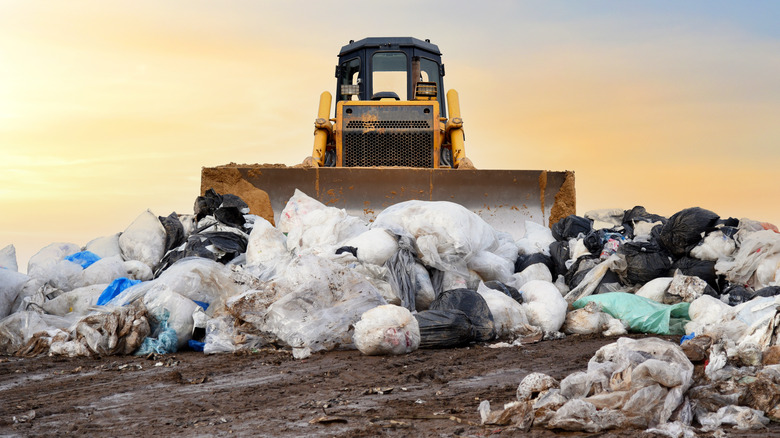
<point>503,198</point>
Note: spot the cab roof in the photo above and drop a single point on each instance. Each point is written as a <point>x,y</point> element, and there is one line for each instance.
<point>390,42</point>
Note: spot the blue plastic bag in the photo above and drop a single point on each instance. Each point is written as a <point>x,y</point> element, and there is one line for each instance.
<point>641,314</point>
<point>83,258</point>
<point>166,341</point>
<point>115,288</point>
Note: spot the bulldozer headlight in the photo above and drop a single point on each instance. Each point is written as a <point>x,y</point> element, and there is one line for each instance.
<point>426,90</point>
<point>350,89</point>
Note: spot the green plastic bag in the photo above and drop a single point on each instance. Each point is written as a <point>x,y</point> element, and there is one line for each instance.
<point>641,314</point>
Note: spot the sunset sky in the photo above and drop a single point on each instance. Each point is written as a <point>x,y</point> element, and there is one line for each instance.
<point>108,108</point>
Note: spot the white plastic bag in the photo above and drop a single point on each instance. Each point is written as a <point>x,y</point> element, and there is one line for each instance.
<point>310,225</point>
<point>144,240</point>
<point>78,301</point>
<point>374,246</point>
<point>267,248</point>
<point>714,246</point>
<point>43,264</point>
<point>106,246</point>
<point>179,309</point>
<point>655,289</point>
<point>508,315</point>
<point>537,238</point>
<point>537,271</point>
<point>448,235</point>
<point>320,301</point>
<point>8,258</point>
<point>544,306</point>
<point>11,284</point>
<point>387,329</point>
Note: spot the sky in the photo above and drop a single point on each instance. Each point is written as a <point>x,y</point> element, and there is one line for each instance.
<point>111,108</point>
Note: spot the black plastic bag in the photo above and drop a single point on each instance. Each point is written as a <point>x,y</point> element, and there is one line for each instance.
<point>685,229</point>
<point>559,253</point>
<point>738,294</point>
<point>174,231</point>
<point>231,211</point>
<point>579,269</point>
<point>444,328</point>
<point>207,204</point>
<point>703,269</point>
<point>506,289</point>
<point>570,227</point>
<point>401,269</point>
<point>350,249</point>
<point>645,261</point>
<point>769,291</point>
<point>473,305</point>
<point>525,260</point>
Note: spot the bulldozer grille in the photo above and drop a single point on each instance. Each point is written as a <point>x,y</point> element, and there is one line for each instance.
<point>388,136</point>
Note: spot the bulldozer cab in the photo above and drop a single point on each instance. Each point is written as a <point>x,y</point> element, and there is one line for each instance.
<point>390,68</point>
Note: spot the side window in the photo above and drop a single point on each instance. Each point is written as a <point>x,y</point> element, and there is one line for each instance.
<point>389,73</point>
<point>349,82</point>
<point>429,71</point>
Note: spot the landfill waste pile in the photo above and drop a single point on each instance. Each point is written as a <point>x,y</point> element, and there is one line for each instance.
<point>435,275</point>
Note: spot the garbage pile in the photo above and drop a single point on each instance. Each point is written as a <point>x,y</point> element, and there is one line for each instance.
<point>433,275</point>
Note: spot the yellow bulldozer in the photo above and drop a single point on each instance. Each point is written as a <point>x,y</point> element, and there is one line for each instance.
<point>395,136</point>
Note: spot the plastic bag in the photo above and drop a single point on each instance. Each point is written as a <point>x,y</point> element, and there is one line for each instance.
<point>537,239</point>
<point>684,229</point>
<point>447,235</point>
<point>444,328</point>
<point>386,329</point>
<point>490,266</point>
<point>715,246</point>
<point>317,313</point>
<point>11,284</point>
<point>83,258</point>
<point>114,289</point>
<point>544,306</point>
<point>144,240</point>
<point>660,374</point>
<point>79,301</point>
<point>587,320</point>
<point>403,273</point>
<point>163,341</point>
<point>175,309</point>
<point>655,289</point>
<point>605,218</point>
<point>43,264</point>
<point>594,277</point>
<point>8,258</point>
<point>571,227</point>
<point>18,328</point>
<point>703,269</point>
<point>645,261</point>
<point>374,246</point>
<point>753,250</point>
<point>641,314</point>
<point>310,225</point>
<point>120,331</point>
<point>106,246</point>
<point>425,293</point>
<point>538,271</point>
<point>509,316</point>
<point>474,306</point>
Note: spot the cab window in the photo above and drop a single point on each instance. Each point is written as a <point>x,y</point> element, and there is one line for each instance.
<point>389,73</point>
<point>349,80</point>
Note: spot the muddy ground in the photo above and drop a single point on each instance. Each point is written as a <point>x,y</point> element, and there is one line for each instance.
<point>427,393</point>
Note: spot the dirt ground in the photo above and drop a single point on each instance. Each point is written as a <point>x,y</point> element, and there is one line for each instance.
<point>428,393</point>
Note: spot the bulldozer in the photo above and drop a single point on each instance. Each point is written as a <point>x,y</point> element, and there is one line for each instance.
<point>394,135</point>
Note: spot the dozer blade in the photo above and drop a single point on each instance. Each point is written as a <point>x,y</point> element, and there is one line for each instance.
<point>503,198</point>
